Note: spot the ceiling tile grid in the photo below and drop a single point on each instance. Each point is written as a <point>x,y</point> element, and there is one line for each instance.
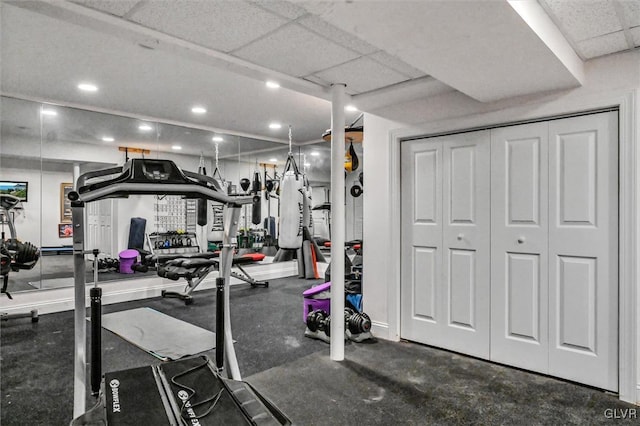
<point>294,50</point>
<point>394,63</point>
<point>585,19</point>
<point>603,45</point>
<point>336,35</point>
<point>219,25</point>
<point>281,7</point>
<point>362,75</point>
<point>118,8</point>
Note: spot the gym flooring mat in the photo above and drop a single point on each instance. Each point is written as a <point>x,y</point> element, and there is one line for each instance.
<point>160,335</point>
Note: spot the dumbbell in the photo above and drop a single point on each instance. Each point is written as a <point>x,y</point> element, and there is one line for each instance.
<point>356,322</point>
<point>319,320</point>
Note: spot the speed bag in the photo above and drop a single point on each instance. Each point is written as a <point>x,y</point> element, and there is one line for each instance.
<point>290,211</point>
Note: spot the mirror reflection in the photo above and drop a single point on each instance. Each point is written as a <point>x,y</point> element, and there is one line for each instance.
<point>44,148</point>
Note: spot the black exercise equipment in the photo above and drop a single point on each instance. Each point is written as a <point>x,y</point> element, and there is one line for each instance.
<point>356,191</point>
<point>194,267</point>
<point>161,177</point>
<point>15,255</point>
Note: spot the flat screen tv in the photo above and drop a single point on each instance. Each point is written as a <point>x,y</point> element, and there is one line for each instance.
<point>15,188</point>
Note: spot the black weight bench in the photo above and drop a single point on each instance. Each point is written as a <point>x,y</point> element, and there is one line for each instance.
<point>194,267</point>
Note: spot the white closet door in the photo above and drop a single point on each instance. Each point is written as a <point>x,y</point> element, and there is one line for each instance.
<point>583,249</point>
<point>421,240</point>
<point>519,246</point>
<point>445,242</point>
<point>466,243</point>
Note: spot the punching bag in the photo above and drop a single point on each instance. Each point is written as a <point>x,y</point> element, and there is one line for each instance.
<point>256,211</point>
<point>291,199</point>
<point>201,204</point>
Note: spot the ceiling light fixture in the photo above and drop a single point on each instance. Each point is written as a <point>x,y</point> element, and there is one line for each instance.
<point>176,147</point>
<point>272,84</point>
<point>351,108</point>
<point>198,110</point>
<point>145,127</point>
<point>275,126</point>
<point>49,112</point>
<point>273,160</point>
<point>307,164</point>
<point>315,153</point>
<point>108,139</point>
<point>88,87</point>
<point>217,139</point>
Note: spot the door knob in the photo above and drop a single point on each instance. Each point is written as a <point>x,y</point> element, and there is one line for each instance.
<point>460,236</point>
<point>520,240</point>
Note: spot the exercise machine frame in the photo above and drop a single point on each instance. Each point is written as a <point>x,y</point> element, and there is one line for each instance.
<point>144,177</point>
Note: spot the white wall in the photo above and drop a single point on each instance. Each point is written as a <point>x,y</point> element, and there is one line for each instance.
<point>38,222</point>
<point>608,80</point>
<point>377,230</point>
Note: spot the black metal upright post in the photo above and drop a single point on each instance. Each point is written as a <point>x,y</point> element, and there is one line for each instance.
<point>96,329</point>
<point>219,323</point>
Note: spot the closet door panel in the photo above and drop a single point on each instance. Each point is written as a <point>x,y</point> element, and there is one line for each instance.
<point>519,240</point>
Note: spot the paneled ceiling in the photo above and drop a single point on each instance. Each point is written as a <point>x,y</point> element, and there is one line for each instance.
<point>155,60</point>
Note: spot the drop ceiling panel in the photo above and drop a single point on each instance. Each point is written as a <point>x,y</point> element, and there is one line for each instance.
<point>219,25</point>
<point>603,45</point>
<point>46,58</point>
<point>488,52</point>
<point>118,8</point>
<point>631,10</point>
<point>584,19</point>
<point>362,75</point>
<point>283,8</point>
<point>336,34</point>
<point>296,51</point>
<point>402,67</point>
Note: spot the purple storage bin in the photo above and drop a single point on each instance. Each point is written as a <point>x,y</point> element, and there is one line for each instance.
<point>127,259</point>
<point>312,304</point>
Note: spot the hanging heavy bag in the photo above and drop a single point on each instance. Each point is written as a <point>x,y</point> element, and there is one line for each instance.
<point>256,211</point>
<point>201,204</point>
<point>290,211</point>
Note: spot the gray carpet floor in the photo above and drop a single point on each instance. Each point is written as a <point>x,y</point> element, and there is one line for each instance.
<point>378,383</point>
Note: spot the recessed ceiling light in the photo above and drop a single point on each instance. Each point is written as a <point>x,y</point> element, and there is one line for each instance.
<point>272,84</point>
<point>273,160</point>
<point>217,139</point>
<point>88,87</point>
<point>275,126</point>
<point>145,127</point>
<point>108,139</point>
<point>49,112</point>
<point>351,108</point>
<point>307,164</point>
<point>176,147</point>
<point>198,110</point>
<point>315,153</point>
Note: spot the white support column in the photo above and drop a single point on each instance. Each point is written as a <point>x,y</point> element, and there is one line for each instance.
<point>337,221</point>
